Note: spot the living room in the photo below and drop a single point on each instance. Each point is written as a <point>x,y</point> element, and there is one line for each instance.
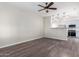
<point>28,31</point>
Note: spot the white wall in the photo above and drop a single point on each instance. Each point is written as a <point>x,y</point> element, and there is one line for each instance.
<point>57,33</point>
<point>18,26</point>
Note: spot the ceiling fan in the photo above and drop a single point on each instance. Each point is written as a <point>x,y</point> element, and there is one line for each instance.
<point>47,7</point>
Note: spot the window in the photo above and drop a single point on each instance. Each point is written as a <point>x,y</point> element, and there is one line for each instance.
<point>54,23</point>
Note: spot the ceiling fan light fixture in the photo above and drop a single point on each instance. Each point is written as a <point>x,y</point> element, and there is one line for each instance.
<point>47,11</point>
<point>47,7</point>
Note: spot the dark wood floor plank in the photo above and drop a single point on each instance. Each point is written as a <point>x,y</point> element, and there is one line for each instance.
<point>43,47</point>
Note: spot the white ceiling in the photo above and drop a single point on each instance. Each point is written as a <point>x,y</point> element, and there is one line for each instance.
<point>33,6</point>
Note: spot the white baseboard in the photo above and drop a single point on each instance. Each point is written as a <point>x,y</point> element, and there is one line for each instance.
<point>37,37</point>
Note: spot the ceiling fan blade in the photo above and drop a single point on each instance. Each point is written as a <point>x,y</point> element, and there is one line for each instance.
<point>51,3</point>
<point>41,6</point>
<point>41,10</point>
<point>52,8</point>
<point>46,3</point>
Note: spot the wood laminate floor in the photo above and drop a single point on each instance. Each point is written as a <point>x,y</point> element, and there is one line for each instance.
<point>43,47</point>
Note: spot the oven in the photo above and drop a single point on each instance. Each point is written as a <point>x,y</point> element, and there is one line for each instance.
<point>71,33</point>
